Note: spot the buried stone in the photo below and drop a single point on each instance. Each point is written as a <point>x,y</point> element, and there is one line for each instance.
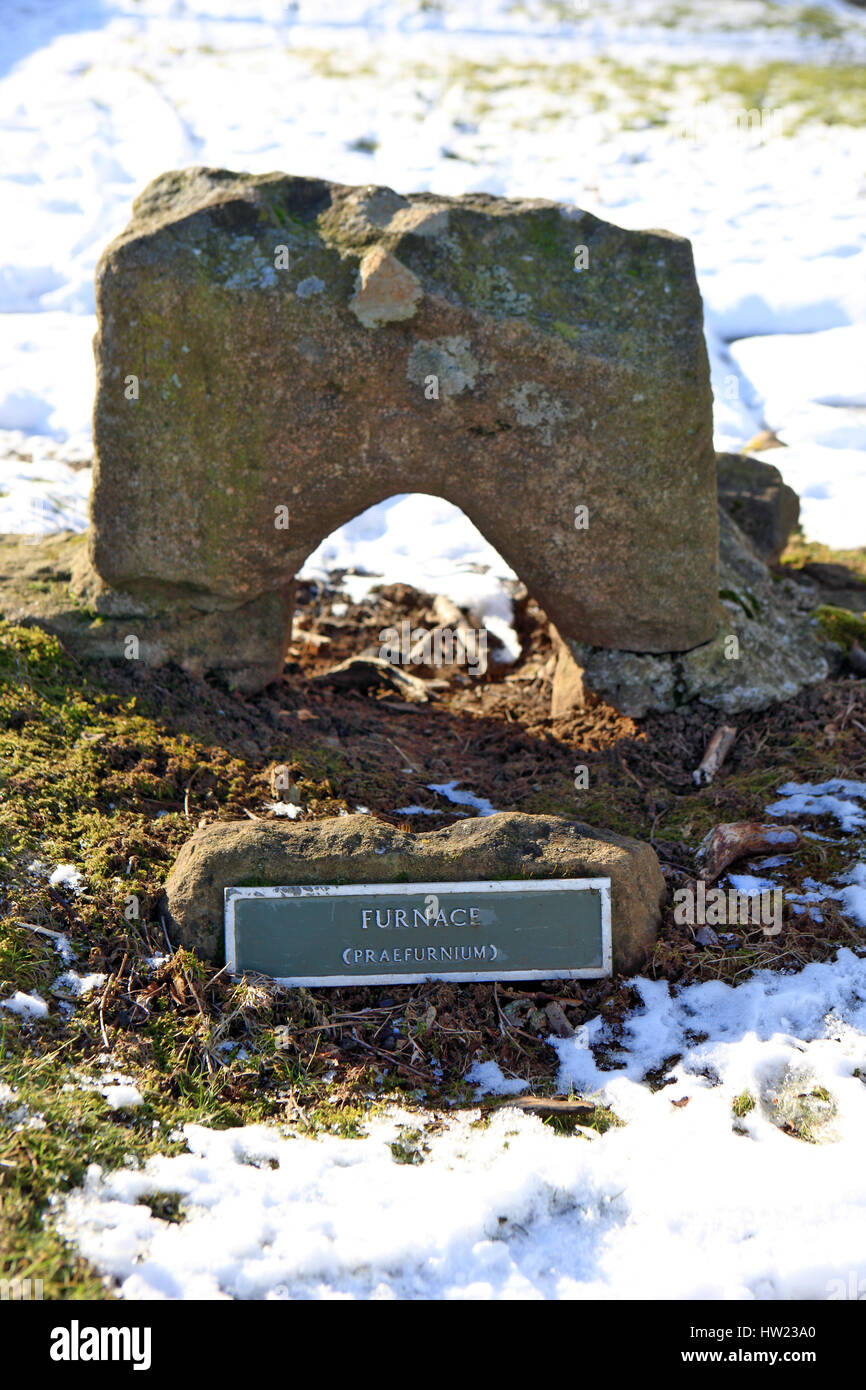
<point>284,334</point>
<point>359,900</point>
<point>766,647</point>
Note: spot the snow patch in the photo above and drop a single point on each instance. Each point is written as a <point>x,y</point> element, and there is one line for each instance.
<point>122,1097</point>
<point>837,797</point>
<point>27,1005</point>
<point>489,1080</point>
<point>682,1202</point>
<point>67,876</point>
<point>70,982</point>
<point>462,798</point>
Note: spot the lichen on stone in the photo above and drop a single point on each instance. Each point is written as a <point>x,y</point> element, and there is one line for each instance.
<point>450,360</point>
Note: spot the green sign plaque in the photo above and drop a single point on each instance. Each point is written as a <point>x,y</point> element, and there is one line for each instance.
<point>398,933</point>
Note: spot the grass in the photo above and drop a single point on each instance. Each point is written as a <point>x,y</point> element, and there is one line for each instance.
<point>657,92</point>
<point>110,773</point>
<point>743,1105</point>
<point>799,552</point>
<point>86,771</point>
<point>600,1120</point>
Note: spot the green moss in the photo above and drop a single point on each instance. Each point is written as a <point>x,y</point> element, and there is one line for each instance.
<point>815,20</point>
<point>745,600</point>
<point>842,626</point>
<point>520,266</point>
<point>410,1147</point>
<point>656,92</point>
<point>84,768</point>
<point>544,233</point>
<point>803,93</point>
<point>743,1105</point>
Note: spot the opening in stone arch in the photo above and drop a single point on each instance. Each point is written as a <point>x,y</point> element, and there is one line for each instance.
<point>277,354</point>
<point>427,543</point>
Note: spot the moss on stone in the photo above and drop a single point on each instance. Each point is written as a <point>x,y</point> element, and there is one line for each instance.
<point>842,626</point>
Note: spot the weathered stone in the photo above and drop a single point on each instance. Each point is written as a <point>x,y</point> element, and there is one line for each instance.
<point>35,574</point>
<point>387,291</point>
<point>857,659</point>
<point>278,350</point>
<point>755,496</point>
<point>367,672</point>
<point>832,576</point>
<point>47,580</point>
<point>776,653</point>
<point>833,586</point>
<point>359,849</point>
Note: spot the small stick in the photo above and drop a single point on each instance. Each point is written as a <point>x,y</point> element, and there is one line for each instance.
<point>717,750</point>
<point>43,931</point>
<point>212,981</point>
<point>625,767</point>
<point>391,1057</point>
<point>102,1021</point>
<point>187,791</point>
<point>408,761</point>
<point>547,1105</point>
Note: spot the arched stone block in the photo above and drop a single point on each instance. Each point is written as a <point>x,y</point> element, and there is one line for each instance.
<point>276,354</point>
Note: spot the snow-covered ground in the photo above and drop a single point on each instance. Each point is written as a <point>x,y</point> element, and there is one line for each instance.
<point>675,1204</point>
<point>700,1193</point>
<point>625,109</point>
<point>683,1201</point>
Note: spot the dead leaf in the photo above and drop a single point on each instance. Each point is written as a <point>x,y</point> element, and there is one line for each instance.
<point>559,1024</point>
<point>705,936</point>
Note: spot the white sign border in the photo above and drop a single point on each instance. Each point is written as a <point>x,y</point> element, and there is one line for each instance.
<point>487,886</point>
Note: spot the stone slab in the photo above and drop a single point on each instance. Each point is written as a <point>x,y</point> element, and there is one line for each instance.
<point>756,497</point>
<point>358,849</point>
<point>275,354</point>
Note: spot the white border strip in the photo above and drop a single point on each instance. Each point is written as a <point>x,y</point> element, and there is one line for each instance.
<point>486,886</point>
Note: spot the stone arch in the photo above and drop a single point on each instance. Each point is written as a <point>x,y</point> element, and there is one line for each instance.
<point>304,346</point>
